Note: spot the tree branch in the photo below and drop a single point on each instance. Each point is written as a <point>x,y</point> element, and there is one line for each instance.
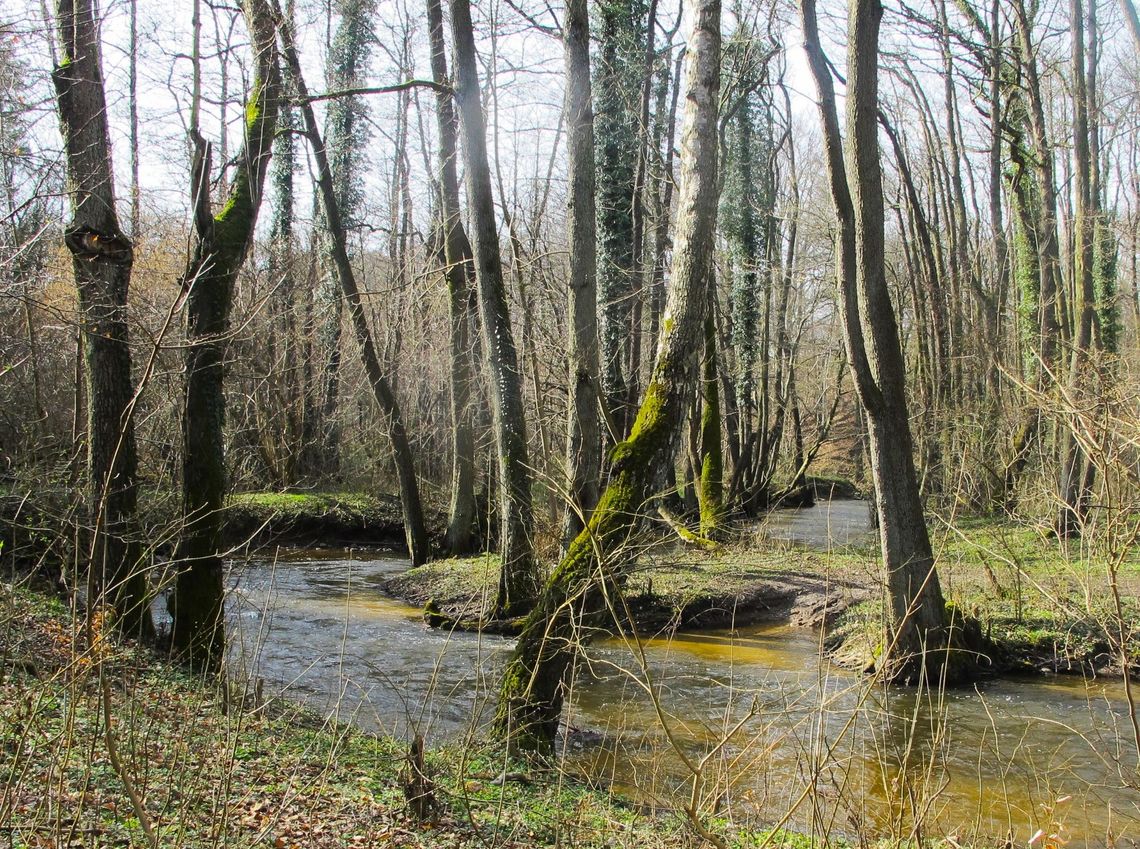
<point>384,89</point>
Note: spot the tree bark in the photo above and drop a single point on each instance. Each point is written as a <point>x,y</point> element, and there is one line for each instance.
<point>584,438</point>
<point>101,258</point>
<point>223,240</point>
<point>518,584</point>
<point>1075,498</point>
<point>415,529</point>
<point>574,601</point>
<point>712,458</point>
<point>917,635</point>
<point>459,270</point>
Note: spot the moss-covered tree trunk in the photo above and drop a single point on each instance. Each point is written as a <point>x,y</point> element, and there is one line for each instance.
<point>518,584</point>
<point>459,269</point>
<point>917,638</point>
<point>574,602</point>
<point>223,240</point>
<point>101,258</point>
<point>583,443</point>
<point>415,529</point>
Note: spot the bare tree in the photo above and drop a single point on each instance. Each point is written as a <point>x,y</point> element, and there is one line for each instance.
<point>223,241</point>
<point>459,268</point>
<point>518,584</point>
<point>102,257</point>
<point>918,633</point>
<point>415,529</point>
<point>583,451</point>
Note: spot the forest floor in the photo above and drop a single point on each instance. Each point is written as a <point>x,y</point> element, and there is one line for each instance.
<point>1045,606</point>
<point>104,744</point>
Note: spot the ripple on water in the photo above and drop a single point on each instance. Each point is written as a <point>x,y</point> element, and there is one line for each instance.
<point>998,755</point>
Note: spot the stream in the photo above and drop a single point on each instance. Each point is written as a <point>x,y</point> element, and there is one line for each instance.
<point>760,709</point>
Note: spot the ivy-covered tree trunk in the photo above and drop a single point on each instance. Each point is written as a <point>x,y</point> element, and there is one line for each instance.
<point>415,529</point>
<point>740,204</point>
<point>1094,259</point>
<point>583,444</point>
<point>101,259</point>
<point>223,240</point>
<point>574,602</point>
<point>518,584</point>
<point>917,638</point>
<point>1045,225</point>
<point>459,269</point>
<point>617,90</point>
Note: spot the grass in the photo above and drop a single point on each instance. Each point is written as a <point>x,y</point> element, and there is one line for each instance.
<point>312,503</point>
<point>308,518</point>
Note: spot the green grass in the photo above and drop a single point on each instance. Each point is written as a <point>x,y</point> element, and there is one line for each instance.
<point>310,503</point>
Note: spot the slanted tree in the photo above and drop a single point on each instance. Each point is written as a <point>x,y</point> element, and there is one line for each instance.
<point>518,584</point>
<point>918,633</point>
<point>102,257</point>
<point>573,603</point>
<point>222,241</point>
<point>415,529</point>
<point>346,129</point>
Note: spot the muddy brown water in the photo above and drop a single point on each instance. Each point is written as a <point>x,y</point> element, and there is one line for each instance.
<point>758,713</point>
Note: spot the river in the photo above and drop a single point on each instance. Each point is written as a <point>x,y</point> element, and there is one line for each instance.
<point>777,718</point>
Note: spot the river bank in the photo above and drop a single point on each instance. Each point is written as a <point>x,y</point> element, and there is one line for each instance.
<point>1043,607</point>
<point>215,766</point>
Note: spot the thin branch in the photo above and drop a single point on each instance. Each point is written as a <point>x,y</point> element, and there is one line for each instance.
<point>384,89</point>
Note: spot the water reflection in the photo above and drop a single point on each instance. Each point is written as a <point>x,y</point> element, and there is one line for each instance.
<point>775,718</point>
<point>826,524</point>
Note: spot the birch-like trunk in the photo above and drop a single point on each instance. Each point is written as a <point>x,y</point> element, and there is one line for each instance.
<point>518,584</point>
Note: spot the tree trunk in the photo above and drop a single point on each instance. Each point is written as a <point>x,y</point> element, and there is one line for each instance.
<point>518,584</point>
<point>917,634</point>
<point>1075,498</point>
<point>101,258</point>
<point>712,459</point>
<point>616,127</point>
<point>459,268</point>
<point>573,602</point>
<point>415,529</point>
<point>223,240</point>
<point>583,444</point>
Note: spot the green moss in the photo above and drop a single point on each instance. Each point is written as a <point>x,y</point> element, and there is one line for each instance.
<point>312,503</point>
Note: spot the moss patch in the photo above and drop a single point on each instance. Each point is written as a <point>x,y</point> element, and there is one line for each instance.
<point>326,519</point>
